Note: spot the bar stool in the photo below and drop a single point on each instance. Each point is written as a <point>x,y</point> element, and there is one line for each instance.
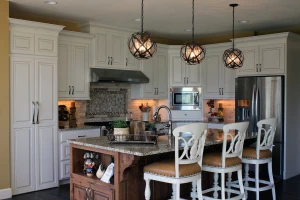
<point>261,154</point>
<point>227,161</point>
<point>186,167</point>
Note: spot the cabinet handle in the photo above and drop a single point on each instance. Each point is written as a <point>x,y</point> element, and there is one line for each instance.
<point>87,194</point>
<point>111,60</point>
<point>73,90</point>
<point>219,91</point>
<point>37,112</point>
<point>69,90</point>
<point>259,67</point>
<point>33,112</point>
<point>222,91</point>
<point>184,81</point>
<point>81,136</point>
<point>126,61</point>
<point>156,91</point>
<point>187,80</point>
<point>256,67</point>
<point>91,194</point>
<point>108,60</point>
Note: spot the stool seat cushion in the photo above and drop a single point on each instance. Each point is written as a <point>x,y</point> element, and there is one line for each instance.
<point>167,168</point>
<point>215,160</point>
<point>250,152</point>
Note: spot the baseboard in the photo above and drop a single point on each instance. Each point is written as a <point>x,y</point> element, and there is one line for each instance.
<point>5,193</point>
<point>65,181</point>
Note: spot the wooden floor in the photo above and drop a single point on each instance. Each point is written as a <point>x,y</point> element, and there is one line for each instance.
<point>288,189</point>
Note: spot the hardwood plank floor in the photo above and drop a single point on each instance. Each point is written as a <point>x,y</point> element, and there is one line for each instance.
<point>288,189</point>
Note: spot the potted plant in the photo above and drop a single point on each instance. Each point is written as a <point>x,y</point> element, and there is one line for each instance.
<point>120,128</point>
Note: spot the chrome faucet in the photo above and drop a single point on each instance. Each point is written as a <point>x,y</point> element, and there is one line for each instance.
<point>169,125</point>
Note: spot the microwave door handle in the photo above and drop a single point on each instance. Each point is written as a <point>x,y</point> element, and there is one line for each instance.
<point>196,98</point>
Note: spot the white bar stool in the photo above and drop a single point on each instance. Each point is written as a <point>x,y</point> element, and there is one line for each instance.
<point>186,167</point>
<point>260,154</point>
<point>227,161</point>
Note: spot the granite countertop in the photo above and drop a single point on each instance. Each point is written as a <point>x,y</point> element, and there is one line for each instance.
<point>194,121</point>
<point>162,146</point>
<point>79,127</point>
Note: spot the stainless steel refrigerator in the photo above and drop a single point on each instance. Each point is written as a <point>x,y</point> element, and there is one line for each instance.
<point>259,98</point>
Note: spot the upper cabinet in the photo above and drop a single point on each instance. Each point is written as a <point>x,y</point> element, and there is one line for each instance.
<point>182,74</point>
<point>73,65</point>
<point>264,55</point>
<point>218,81</point>
<point>130,61</point>
<point>156,69</point>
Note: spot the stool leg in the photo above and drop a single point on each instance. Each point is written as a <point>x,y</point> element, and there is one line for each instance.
<point>229,182</point>
<point>240,177</point>
<point>223,186</point>
<point>246,179</point>
<point>147,190</point>
<point>194,185</point>
<point>272,180</point>
<point>257,180</point>
<point>177,191</point>
<point>199,189</point>
<point>173,192</point>
<point>216,177</point>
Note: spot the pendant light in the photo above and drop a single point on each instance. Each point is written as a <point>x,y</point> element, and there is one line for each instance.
<point>141,45</point>
<point>192,52</point>
<point>233,58</point>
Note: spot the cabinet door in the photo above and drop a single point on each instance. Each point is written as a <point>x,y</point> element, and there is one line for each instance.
<point>213,82</point>
<point>131,62</point>
<point>22,90</point>
<point>45,45</point>
<point>80,71</point>
<point>21,43</point>
<point>272,59</point>
<point>149,70</point>
<point>22,158</point>
<point>251,61</point>
<point>177,70</point>
<point>46,160</point>
<point>228,88</point>
<point>117,49</point>
<point>64,170</point>
<point>104,194</point>
<point>161,77</point>
<point>101,49</point>
<point>79,192</point>
<point>193,75</point>
<point>64,69</point>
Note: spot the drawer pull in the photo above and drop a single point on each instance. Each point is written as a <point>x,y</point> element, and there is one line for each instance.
<point>81,135</point>
<point>185,114</point>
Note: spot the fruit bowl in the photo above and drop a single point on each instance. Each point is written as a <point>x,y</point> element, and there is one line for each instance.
<point>216,118</point>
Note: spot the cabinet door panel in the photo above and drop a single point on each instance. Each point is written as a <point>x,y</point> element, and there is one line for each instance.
<point>22,43</point>
<point>251,59</point>
<point>193,74</point>
<point>131,62</point>
<point>211,76</point>
<point>79,192</point>
<point>23,173</point>
<point>272,59</point>
<point>22,90</point>
<point>80,67</point>
<point>229,82</point>
<point>64,64</point>
<point>64,169</point>
<point>46,157</point>
<point>102,48</point>
<point>46,90</point>
<point>162,76</point>
<point>177,71</point>
<point>117,50</point>
<point>45,45</point>
<point>149,71</point>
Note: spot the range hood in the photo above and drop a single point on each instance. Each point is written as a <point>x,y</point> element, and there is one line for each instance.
<point>115,75</point>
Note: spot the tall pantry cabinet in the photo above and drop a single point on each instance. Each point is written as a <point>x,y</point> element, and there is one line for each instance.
<point>33,105</point>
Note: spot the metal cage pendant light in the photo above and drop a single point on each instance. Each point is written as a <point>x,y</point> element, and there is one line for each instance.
<point>233,58</point>
<point>192,52</point>
<point>141,45</point>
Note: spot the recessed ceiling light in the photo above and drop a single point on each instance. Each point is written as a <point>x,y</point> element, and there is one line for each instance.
<point>137,20</point>
<point>243,21</point>
<point>188,30</point>
<point>50,2</point>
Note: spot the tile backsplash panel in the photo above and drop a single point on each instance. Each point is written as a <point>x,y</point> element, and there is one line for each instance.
<point>228,108</point>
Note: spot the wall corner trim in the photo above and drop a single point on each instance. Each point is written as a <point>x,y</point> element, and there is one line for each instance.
<point>5,193</point>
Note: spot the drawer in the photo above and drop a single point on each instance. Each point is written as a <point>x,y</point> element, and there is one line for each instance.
<point>64,151</point>
<point>22,43</point>
<point>45,45</point>
<point>68,135</point>
<point>64,170</point>
<point>187,115</point>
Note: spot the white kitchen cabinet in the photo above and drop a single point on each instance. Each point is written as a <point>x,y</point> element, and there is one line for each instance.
<point>263,57</point>
<point>131,63</point>
<point>64,148</point>
<point>156,69</point>
<point>219,81</point>
<point>184,115</point>
<point>33,108</point>
<point>73,65</point>
<point>182,74</point>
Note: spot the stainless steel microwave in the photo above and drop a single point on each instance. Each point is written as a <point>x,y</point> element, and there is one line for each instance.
<point>185,98</point>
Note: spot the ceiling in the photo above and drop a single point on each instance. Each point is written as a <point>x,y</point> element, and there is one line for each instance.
<point>169,18</point>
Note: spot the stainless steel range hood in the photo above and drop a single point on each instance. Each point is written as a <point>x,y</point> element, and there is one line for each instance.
<point>115,75</point>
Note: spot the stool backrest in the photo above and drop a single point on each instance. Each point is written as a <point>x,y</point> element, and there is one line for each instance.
<point>236,142</point>
<point>268,137</point>
<point>193,147</point>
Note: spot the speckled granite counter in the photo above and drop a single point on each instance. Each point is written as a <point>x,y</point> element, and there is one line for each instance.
<point>142,149</point>
<point>79,127</point>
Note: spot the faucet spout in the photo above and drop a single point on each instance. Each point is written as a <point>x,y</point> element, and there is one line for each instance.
<point>169,125</point>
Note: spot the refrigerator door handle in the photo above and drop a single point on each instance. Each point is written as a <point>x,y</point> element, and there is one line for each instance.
<point>253,104</point>
<point>257,105</point>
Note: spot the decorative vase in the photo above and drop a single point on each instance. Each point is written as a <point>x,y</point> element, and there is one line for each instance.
<point>120,132</point>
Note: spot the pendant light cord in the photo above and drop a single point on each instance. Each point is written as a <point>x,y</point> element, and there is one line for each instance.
<point>233,27</point>
<point>193,19</point>
<point>142,17</point>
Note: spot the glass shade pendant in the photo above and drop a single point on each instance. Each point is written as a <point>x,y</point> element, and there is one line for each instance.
<point>192,52</point>
<point>141,45</point>
<point>233,58</point>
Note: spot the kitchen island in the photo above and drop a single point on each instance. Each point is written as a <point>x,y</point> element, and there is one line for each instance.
<point>129,160</point>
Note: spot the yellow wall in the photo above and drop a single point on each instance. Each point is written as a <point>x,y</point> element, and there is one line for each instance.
<point>4,100</point>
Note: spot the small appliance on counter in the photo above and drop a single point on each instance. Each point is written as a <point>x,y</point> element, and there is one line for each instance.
<point>62,115</point>
<point>72,117</point>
